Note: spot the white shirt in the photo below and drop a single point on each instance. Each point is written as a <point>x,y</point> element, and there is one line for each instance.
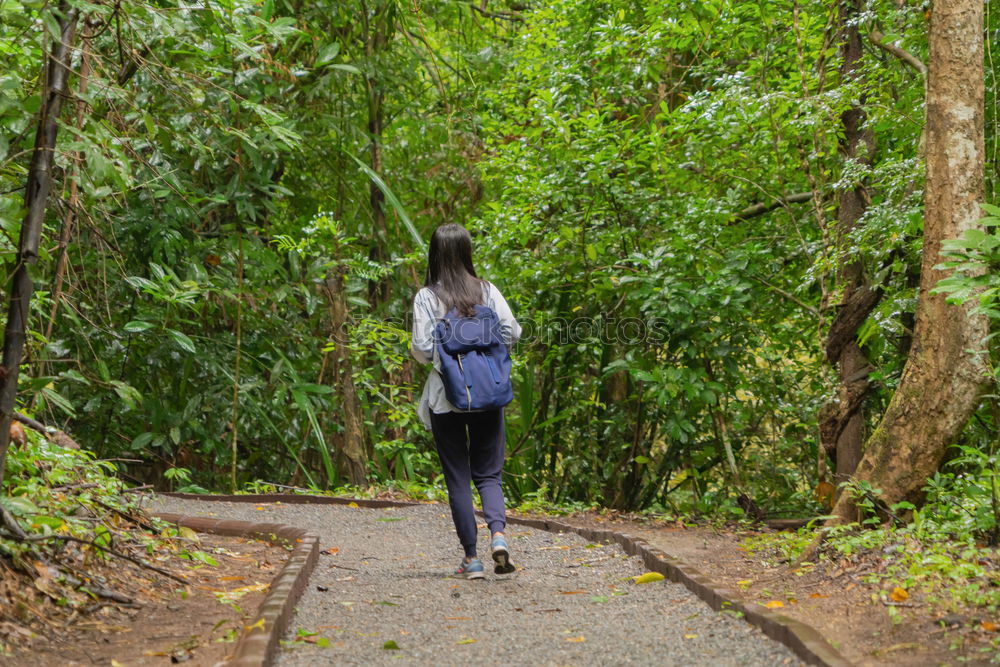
<point>427,310</point>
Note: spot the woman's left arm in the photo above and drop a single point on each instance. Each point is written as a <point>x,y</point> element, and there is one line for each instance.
<point>509,328</point>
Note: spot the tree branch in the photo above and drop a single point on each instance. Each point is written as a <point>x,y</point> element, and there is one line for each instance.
<point>761,208</point>
<point>505,16</point>
<point>118,554</point>
<point>876,37</point>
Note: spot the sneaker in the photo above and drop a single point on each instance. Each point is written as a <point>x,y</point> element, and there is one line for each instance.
<point>501,556</point>
<point>471,570</point>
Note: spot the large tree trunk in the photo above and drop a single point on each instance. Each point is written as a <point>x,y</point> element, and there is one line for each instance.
<point>944,374</point>
<point>842,429</point>
<point>36,197</point>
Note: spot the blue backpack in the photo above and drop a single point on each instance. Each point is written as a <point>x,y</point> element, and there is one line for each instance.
<point>475,361</point>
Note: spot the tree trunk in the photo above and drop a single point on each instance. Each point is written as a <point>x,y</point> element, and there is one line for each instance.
<point>74,187</point>
<point>842,431</point>
<point>351,441</point>
<point>945,373</point>
<point>376,33</point>
<point>36,196</point>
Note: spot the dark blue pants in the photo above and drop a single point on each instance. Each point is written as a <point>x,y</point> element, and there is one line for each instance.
<point>472,446</point>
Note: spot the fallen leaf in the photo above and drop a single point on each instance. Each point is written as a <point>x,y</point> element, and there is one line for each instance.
<point>231,578</point>
<point>259,509</point>
<point>744,584</point>
<point>692,636</point>
<point>774,604</point>
<point>649,577</point>
<point>579,639</point>
<point>599,598</point>
<point>467,640</point>
<point>258,624</point>
<point>572,592</point>
<point>899,594</point>
<point>989,626</point>
<point>390,645</point>
<point>354,504</point>
<point>187,533</point>
<point>565,546</point>
<point>330,551</point>
<point>818,595</point>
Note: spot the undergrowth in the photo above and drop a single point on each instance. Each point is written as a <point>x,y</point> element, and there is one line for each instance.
<point>74,540</point>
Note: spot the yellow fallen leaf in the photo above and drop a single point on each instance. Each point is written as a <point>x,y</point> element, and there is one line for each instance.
<point>258,624</point>
<point>253,588</point>
<point>260,509</point>
<point>467,640</point>
<point>899,594</point>
<point>579,639</point>
<point>690,636</point>
<point>649,577</point>
<point>187,533</point>
<point>774,604</point>
<point>744,584</point>
<point>353,504</point>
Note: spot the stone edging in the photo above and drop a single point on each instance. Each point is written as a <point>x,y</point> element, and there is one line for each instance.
<point>803,640</point>
<point>259,641</point>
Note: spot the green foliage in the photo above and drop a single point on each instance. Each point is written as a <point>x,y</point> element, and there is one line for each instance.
<point>228,161</point>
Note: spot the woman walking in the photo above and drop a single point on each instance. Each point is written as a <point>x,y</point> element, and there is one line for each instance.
<point>471,445</point>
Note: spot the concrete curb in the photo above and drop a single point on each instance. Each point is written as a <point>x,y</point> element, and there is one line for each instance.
<point>803,640</point>
<point>259,641</point>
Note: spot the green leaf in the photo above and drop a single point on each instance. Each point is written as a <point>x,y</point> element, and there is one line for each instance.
<point>391,198</point>
<point>141,440</point>
<point>391,645</point>
<point>182,340</point>
<point>19,505</point>
<point>135,326</point>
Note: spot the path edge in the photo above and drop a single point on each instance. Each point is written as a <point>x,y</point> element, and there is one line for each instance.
<point>258,642</point>
<point>803,640</point>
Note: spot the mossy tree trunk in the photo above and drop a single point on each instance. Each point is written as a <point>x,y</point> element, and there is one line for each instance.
<point>944,374</point>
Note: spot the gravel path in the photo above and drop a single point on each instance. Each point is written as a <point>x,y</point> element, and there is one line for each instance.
<point>569,603</point>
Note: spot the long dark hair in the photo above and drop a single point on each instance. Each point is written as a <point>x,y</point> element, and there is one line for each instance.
<point>449,269</point>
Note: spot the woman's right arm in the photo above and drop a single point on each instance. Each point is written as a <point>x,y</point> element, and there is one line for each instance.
<point>422,340</point>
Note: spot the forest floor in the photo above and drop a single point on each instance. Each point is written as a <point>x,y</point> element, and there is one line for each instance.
<point>163,622</point>
<point>160,626</point>
<point>858,618</point>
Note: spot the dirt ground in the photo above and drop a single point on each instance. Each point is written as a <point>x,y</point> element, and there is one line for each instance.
<point>164,624</point>
<point>831,597</point>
